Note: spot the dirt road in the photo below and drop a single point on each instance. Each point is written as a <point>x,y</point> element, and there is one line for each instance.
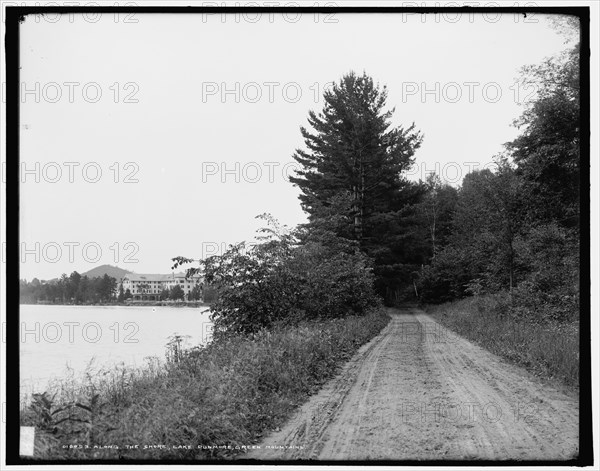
<point>419,392</point>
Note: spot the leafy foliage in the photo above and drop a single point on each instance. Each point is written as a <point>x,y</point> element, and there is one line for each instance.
<point>517,228</point>
<point>279,280</point>
<point>176,293</point>
<point>548,151</point>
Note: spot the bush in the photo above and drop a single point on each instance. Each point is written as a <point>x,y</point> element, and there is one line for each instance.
<point>280,281</point>
<point>447,278</point>
<point>550,292</point>
<point>331,284</point>
<point>209,294</point>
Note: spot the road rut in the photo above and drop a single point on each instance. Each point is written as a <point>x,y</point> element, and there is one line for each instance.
<point>417,391</point>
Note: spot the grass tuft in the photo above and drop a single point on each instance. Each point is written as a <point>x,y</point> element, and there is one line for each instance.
<point>548,349</point>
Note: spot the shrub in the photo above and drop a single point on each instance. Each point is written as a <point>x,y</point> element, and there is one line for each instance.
<point>447,278</point>
<point>280,281</point>
<point>331,284</point>
<point>550,292</point>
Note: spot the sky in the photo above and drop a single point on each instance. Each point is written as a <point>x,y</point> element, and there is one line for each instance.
<point>152,136</point>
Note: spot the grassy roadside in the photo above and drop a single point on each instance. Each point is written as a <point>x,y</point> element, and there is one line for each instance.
<point>549,350</point>
<point>205,403</point>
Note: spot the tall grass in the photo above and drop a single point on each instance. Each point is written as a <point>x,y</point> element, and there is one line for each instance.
<point>204,403</point>
<point>548,349</point>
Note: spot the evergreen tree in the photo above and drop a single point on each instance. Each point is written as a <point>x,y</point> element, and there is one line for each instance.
<point>83,292</point>
<point>196,293</point>
<point>354,162</point>
<point>73,286</point>
<point>121,296</point>
<point>353,150</point>
<point>176,293</point>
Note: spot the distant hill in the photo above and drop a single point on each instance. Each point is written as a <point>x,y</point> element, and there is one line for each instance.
<point>115,272</point>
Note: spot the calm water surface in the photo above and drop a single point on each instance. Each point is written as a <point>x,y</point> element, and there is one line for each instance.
<point>55,339</point>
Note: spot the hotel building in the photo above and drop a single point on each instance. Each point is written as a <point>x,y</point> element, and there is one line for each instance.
<point>148,287</point>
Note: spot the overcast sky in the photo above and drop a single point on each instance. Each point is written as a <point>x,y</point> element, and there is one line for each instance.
<point>161,135</point>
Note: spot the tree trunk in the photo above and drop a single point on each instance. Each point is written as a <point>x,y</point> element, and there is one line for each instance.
<point>356,211</point>
<point>511,258</point>
<point>362,200</point>
<point>359,203</point>
<point>433,236</point>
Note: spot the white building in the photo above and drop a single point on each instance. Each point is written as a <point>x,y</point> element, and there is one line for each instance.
<point>149,286</point>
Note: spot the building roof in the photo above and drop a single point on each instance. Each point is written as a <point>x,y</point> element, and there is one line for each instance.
<point>156,277</point>
<point>182,275</point>
<point>147,277</point>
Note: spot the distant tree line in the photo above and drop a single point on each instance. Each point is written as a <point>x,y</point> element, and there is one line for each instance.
<point>176,293</point>
<point>69,289</point>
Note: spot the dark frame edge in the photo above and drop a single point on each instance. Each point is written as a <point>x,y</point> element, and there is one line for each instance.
<point>15,14</point>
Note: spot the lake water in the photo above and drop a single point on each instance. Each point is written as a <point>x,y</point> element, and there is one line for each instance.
<point>55,339</point>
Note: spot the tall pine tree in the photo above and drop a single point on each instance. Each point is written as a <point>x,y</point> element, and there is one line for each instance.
<point>352,152</point>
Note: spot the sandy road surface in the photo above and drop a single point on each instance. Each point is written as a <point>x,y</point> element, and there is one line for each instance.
<point>417,391</point>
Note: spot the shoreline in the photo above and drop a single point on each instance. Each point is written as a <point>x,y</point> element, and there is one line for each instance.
<point>133,304</point>
<point>220,391</point>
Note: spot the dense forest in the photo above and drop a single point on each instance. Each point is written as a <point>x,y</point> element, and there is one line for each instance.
<point>516,229</point>
<point>513,229</point>
<point>372,233</point>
